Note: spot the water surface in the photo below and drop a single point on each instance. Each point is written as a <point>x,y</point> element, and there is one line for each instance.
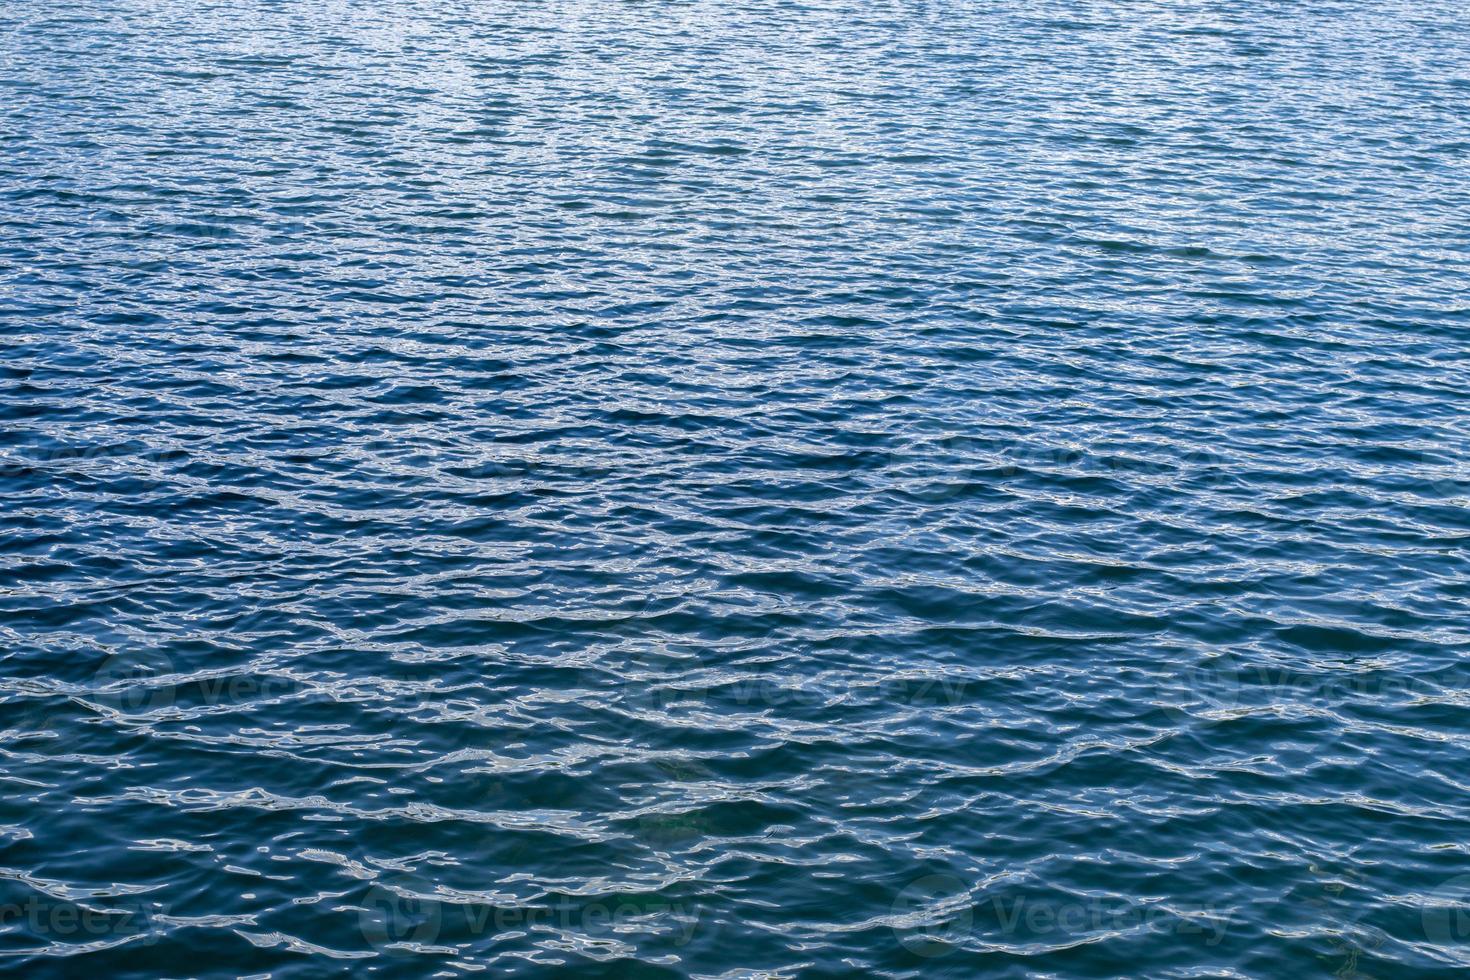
<point>734,489</point>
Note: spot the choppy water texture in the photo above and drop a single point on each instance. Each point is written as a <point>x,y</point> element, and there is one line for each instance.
<point>734,489</point>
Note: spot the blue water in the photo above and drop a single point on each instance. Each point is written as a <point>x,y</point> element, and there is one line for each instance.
<point>744,489</point>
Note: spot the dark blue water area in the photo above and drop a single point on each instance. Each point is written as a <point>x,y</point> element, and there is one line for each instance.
<point>734,489</point>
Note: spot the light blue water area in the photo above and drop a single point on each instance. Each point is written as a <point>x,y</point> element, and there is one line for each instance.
<point>734,489</point>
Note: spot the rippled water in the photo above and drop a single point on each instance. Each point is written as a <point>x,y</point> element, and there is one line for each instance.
<point>734,489</point>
